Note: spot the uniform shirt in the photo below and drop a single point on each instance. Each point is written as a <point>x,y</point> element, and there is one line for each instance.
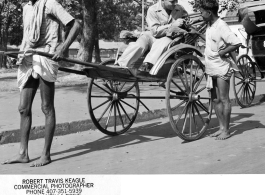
<point>159,21</point>
<point>218,36</point>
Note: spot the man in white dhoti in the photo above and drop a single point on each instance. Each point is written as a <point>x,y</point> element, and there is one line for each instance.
<point>41,24</point>
<point>221,43</point>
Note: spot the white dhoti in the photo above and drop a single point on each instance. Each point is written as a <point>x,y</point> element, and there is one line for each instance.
<point>47,69</point>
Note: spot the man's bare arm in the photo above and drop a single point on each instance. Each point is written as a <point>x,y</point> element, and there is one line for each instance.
<point>72,30</point>
<point>228,49</point>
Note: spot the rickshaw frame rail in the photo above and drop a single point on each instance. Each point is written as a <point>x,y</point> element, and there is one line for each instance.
<point>113,93</point>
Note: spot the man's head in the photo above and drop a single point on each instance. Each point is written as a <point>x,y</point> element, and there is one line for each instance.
<point>169,4</point>
<point>209,9</point>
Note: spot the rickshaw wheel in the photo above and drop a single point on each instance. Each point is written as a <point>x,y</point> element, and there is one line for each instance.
<point>129,85</point>
<point>188,102</point>
<point>113,105</point>
<point>244,81</point>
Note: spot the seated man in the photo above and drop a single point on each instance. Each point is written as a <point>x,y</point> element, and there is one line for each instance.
<point>162,18</point>
<point>127,37</point>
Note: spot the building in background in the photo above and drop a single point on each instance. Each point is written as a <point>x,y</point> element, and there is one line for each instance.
<point>108,49</point>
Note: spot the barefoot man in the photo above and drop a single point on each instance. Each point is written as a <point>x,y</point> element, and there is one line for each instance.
<point>221,42</point>
<point>41,23</point>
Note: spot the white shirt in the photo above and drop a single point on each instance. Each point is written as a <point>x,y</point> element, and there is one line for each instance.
<point>218,37</point>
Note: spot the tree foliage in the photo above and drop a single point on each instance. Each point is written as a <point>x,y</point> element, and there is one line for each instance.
<point>73,7</point>
<point>229,5</point>
<point>11,21</point>
<point>112,15</point>
<point>103,20</point>
<point>10,25</point>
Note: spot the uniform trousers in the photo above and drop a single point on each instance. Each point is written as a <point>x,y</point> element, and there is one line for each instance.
<point>144,43</point>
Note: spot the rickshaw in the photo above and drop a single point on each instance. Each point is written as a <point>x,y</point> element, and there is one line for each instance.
<point>113,93</point>
<point>252,17</point>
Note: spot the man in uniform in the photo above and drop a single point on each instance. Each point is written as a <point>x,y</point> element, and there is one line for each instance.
<point>163,17</point>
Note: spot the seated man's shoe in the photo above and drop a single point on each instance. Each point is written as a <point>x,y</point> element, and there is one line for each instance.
<point>145,67</point>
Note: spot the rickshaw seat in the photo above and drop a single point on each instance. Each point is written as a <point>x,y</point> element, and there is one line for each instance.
<point>139,62</point>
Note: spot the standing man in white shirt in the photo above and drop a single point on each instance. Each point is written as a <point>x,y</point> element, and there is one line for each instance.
<point>41,24</point>
<point>221,42</point>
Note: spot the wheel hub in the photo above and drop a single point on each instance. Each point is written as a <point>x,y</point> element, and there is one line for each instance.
<point>193,97</point>
<point>115,96</point>
<point>248,80</point>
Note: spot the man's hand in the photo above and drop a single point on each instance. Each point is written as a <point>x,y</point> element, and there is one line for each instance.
<point>175,31</point>
<point>59,53</point>
<point>193,31</point>
<point>57,56</point>
<point>73,28</point>
<point>178,23</point>
<point>193,21</point>
<point>223,54</point>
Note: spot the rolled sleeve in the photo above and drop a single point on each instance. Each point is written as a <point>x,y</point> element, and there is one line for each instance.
<point>229,36</point>
<point>59,12</point>
<point>156,28</point>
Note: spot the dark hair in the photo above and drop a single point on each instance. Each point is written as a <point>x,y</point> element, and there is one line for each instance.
<point>214,10</point>
<point>211,5</point>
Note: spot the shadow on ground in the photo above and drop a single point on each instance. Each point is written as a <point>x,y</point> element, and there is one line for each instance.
<point>156,131</point>
<point>237,127</point>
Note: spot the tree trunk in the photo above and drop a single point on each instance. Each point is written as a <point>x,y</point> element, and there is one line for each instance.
<point>2,48</point>
<point>3,57</point>
<point>97,50</point>
<point>87,39</point>
<point>89,35</point>
<point>96,42</point>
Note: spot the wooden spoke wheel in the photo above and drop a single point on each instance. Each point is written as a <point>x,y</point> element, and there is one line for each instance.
<point>188,102</point>
<point>113,105</point>
<point>244,81</point>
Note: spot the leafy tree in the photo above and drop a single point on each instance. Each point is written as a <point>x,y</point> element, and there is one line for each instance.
<point>103,19</point>
<point>10,24</point>
<point>114,16</point>
<point>229,5</point>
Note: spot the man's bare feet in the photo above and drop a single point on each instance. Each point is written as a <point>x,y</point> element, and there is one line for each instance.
<point>44,160</point>
<point>224,135</point>
<point>17,159</point>
<point>217,133</point>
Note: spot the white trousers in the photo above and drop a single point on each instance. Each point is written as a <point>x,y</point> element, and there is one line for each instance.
<point>144,43</point>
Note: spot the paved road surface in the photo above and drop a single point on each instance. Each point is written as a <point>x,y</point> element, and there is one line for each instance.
<point>71,105</point>
<point>153,148</point>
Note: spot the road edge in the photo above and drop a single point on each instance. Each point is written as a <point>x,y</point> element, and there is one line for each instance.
<point>13,135</point>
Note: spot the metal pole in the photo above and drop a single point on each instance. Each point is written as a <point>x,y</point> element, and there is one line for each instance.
<point>142,15</point>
